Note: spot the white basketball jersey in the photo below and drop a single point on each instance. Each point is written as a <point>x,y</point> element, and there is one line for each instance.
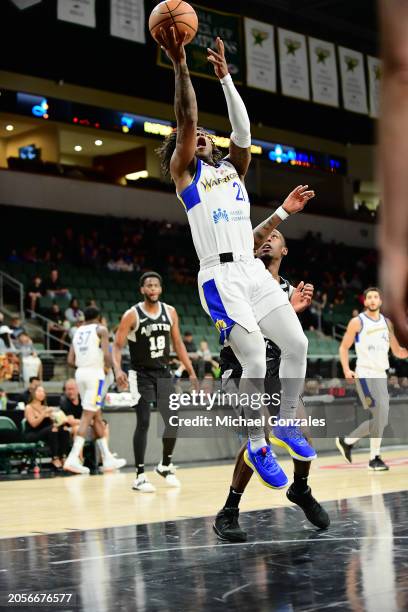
<point>217,207</point>
<point>372,345</point>
<point>87,347</point>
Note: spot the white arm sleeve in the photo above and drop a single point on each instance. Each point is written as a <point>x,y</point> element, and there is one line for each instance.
<point>238,116</point>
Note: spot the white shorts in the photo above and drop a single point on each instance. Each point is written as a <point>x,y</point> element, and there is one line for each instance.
<point>239,292</point>
<point>92,387</point>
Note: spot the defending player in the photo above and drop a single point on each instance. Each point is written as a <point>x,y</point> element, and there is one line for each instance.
<point>244,301</point>
<point>89,353</point>
<point>149,327</point>
<point>226,524</point>
<point>372,335</point>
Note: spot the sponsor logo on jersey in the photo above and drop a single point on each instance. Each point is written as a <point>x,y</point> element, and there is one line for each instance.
<point>219,215</point>
<point>208,184</point>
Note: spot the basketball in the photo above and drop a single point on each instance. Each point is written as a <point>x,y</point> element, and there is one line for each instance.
<point>177,14</point>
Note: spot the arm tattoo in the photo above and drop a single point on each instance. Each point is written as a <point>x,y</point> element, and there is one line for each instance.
<point>263,230</point>
<point>185,103</point>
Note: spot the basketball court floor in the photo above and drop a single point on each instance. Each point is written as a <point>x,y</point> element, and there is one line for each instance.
<point>112,548</point>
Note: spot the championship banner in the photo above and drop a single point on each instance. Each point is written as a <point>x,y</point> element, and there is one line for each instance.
<point>260,55</point>
<point>81,12</point>
<point>127,20</point>
<point>353,80</point>
<point>323,69</point>
<point>374,80</point>
<point>294,70</point>
<point>212,24</point>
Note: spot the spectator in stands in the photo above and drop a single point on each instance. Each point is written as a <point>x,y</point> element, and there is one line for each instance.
<point>73,313</point>
<point>54,286</point>
<point>205,358</point>
<point>404,385</point>
<point>16,328</point>
<point>34,292</point>
<point>189,344</point>
<point>394,388</point>
<point>57,328</point>
<point>77,324</point>
<point>30,363</point>
<point>3,399</point>
<point>41,425</point>
<point>9,361</point>
<point>6,342</point>
<point>33,383</point>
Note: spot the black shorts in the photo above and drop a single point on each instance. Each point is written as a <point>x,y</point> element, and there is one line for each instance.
<point>143,383</point>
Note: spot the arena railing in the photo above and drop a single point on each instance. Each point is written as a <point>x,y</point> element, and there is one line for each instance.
<point>11,292</point>
<point>45,332</point>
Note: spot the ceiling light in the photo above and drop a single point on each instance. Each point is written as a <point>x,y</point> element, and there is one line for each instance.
<point>98,143</point>
<point>9,127</point>
<point>134,176</point>
<point>78,148</point>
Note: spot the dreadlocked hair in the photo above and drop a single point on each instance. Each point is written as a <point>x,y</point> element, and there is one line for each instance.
<point>166,150</point>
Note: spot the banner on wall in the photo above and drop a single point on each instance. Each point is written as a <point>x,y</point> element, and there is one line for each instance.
<point>128,20</point>
<point>81,12</point>
<point>323,72</point>
<point>353,80</point>
<point>260,55</point>
<point>294,70</point>
<point>374,80</point>
<point>212,24</point>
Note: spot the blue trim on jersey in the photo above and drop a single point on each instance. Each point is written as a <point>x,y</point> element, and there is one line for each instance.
<point>190,196</point>
<point>221,320</point>
<point>367,394</point>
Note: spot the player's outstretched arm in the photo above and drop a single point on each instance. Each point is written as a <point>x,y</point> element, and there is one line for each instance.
<point>126,325</point>
<point>353,328</point>
<point>240,142</point>
<point>179,346</point>
<point>185,106</point>
<point>393,153</point>
<point>294,202</point>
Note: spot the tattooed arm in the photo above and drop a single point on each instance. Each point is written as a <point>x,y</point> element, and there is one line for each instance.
<point>295,202</point>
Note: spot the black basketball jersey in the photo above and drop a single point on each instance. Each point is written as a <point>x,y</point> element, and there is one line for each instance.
<point>228,360</point>
<point>149,342</point>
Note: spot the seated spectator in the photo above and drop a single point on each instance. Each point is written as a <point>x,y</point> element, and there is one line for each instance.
<point>34,291</point>
<point>9,362</point>
<point>404,385</point>
<point>16,328</point>
<point>394,388</point>
<point>73,313</point>
<point>6,342</point>
<point>205,358</point>
<point>33,383</point>
<point>57,328</point>
<point>3,399</point>
<point>190,345</point>
<point>41,425</point>
<point>29,360</point>
<point>54,286</point>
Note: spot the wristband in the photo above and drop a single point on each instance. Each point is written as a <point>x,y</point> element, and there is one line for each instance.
<point>281,213</point>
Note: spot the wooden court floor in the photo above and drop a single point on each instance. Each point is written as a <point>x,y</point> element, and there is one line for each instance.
<point>50,505</point>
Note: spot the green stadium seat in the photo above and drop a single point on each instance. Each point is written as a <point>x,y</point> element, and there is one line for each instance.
<point>122,306</point>
<point>115,294</point>
<point>101,294</point>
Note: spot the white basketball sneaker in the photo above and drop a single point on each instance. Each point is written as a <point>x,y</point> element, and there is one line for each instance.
<point>169,474</point>
<point>73,464</point>
<point>112,463</point>
<point>142,484</point>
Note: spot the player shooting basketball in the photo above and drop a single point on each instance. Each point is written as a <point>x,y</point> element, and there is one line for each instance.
<point>244,301</point>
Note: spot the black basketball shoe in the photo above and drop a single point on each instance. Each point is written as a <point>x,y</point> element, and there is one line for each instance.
<point>226,526</point>
<point>344,448</point>
<point>377,464</point>
<point>314,512</point>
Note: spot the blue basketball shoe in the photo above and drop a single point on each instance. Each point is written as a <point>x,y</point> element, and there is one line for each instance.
<point>291,438</point>
<point>266,467</point>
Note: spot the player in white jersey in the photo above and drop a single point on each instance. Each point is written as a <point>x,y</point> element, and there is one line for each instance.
<point>244,301</point>
<point>89,353</point>
<point>372,335</point>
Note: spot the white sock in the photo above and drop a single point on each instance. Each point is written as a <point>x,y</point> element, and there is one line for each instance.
<point>78,445</point>
<point>103,448</point>
<point>375,446</point>
<point>351,440</point>
<point>257,444</point>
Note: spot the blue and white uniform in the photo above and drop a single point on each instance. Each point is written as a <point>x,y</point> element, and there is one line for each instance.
<point>218,210</point>
<point>372,345</point>
<point>90,374</point>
